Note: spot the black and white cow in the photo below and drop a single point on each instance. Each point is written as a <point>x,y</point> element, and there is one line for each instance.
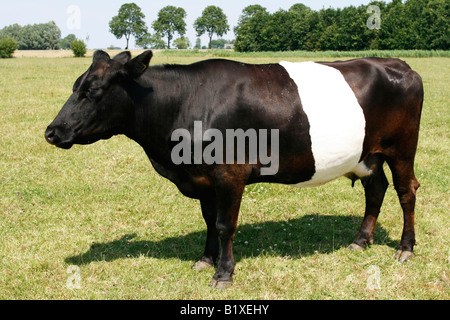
<point>332,119</point>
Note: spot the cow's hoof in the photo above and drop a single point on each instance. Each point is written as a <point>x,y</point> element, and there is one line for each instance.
<point>403,256</point>
<point>355,247</point>
<point>201,265</point>
<point>220,285</point>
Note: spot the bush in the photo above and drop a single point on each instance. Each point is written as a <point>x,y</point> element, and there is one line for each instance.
<point>78,47</point>
<point>7,47</point>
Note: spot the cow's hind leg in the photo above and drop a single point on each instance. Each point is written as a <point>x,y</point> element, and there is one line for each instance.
<point>406,186</point>
<point>209,212</point>
<point>375,187</point>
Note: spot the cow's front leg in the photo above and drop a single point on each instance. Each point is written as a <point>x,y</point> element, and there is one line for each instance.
<point>229,196</point>
<point>209,213</point>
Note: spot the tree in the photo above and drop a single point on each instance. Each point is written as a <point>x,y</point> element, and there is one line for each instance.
<point>198,43</point>
<point>51,33</point>
<point>213,21</point>
<point>150,41</point>
<point>7,47</point>
<point>396,27</point>
<point>13,31</point>
<point>65,43</point>
<point>129,21</point>
<point>220,43</point>
<point>250,28</point>
<point>299,21</point>
<point>170,20</point>
<point>182,43</point>
<point>78,48</point>
<point>277,33</point>
<point>434,25</point>
<point>41,36</point>
<point>351,25</point>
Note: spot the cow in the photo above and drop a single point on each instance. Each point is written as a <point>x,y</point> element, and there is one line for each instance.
<point>332,119</point>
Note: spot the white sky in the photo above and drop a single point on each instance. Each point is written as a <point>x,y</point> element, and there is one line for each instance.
<point>94,16</point>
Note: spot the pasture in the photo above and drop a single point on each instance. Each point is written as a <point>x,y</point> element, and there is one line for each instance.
<point>97,222</point>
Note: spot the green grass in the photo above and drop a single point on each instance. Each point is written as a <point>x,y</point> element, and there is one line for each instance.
<point>134,236</point>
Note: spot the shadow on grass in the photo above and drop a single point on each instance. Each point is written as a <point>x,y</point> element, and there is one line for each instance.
<point>297,237</point>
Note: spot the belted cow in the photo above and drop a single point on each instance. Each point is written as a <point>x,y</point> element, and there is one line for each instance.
<point>324,120</point>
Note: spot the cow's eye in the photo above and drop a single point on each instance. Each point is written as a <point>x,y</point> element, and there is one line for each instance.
<point>92,91</point>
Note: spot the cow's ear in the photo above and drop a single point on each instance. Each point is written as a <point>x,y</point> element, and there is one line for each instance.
<point>123,57</point>
<point>100,55</point>
<point>137,66</point>
<point>80,80</point>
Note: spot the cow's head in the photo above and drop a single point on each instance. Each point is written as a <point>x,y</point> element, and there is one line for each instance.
<point>99,106</point>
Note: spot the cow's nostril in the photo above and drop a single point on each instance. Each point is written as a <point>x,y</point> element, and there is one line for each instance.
<point>50,135</point>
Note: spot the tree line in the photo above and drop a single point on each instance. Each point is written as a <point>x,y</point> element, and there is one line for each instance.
<point>170,22</point>
<point>40,36</point>
<point>413,24</point>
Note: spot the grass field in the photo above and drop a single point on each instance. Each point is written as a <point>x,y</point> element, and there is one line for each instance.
<point>97,222</point>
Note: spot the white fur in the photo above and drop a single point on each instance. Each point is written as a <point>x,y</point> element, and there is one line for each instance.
<point>361,170</point>
<point>337,123</point>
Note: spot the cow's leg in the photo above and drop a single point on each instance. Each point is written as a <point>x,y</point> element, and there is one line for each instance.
<point>406,186</point>
<point>209,213</point>
<point>375,187</point>
<point>229,196</point>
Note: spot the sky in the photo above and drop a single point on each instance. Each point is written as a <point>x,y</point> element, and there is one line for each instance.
<point>89,19</point>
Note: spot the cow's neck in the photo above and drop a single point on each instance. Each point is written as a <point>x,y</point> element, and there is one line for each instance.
<point>158,97</point>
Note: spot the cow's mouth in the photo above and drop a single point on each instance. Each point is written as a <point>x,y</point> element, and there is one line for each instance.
<point>65,138</point>
<point>64,145</point>
<point>77,135</point>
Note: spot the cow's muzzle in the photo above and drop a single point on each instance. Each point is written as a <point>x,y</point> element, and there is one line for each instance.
<point>54,136</point>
